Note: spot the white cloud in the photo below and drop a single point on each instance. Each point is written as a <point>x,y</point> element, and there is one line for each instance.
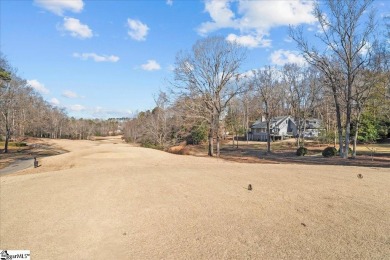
<point>188,67</point>
<point>366,48</point>
<point>77,107</point>
<point>288,39</point>
<point>255,19</point>
<point>35,84</point>
<point>101,112</point>
<point>247,74</point>
<point>221,15</point>
<point>137,29</point>
<point>169,2</point>
<point>76,29</point>
<point>54,101</point>
<point>58,7</point>
<point>151,65</point>
<point>325,24</point>
<point>249,41</point>
<point>70,94</point>
<point>281,57</point>
<point>266,15</point>
<point>96,57</point>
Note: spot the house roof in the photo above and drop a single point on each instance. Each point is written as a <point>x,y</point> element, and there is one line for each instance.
<point>313,123</point>
<point>274,122</point>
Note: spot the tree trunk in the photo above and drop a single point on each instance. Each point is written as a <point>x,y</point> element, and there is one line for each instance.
<point>356,135</point>
<point>299,132</point>
<point>217,130</point>
<point>341,144</point>
<point>247,124</point>
<point>339,125</point>
<point>348,124</point>
<point>355,142</point>
<point>210,153</point>
<point>7,130</point>
<point>218,140</point>
<point>268,137</point>
<point>304,130</point>
<point>7,137</point>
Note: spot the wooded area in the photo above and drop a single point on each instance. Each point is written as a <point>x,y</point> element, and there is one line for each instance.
<point>346,84</point>
<point>25,113</point>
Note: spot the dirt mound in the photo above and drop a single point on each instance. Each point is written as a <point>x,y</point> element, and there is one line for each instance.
<point>179,149</point>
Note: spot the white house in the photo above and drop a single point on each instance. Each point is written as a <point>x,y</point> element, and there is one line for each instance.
<point>281,127</point>
<point>312,127</point>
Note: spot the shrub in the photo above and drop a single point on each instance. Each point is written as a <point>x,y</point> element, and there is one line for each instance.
<point>17,144</point>
<point>198,135</point>
<point>301,151</point>
<point>180,149</point>
<point>150,144</point>
<point>329,152</point>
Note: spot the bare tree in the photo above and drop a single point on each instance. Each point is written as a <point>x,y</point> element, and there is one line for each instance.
<point>267,83</point>
<point>209,74</point>
<point>132,130</point>
<point>345,36</point>
<point>23,111</point>
<point>371,77</point>
<point>233,119</point>
<point>7,95</point>
<point>303,89</point>
<point>157,123</point>
<point>10,103</point>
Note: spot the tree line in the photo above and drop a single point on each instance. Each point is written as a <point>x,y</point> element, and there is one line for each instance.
<point>345,83</point>
<point>24,112</point>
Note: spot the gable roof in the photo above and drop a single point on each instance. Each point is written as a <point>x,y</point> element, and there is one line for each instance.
<point>274,122</point>
<point>313,123</point>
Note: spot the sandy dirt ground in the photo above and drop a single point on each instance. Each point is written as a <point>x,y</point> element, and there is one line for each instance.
<point>108,200</point>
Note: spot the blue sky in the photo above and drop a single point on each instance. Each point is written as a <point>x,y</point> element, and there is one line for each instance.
<point>109,58</point>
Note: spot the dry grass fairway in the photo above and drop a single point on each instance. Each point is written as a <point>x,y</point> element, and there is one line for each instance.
<point>107,200</point>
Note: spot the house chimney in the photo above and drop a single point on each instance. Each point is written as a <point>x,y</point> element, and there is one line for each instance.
<point>262,118</point>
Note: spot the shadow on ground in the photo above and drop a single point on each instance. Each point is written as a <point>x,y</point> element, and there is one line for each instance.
<point>253,155</point>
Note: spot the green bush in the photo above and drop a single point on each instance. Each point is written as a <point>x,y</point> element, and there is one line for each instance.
<point>198,135</point>
<point>329,152</point>
<point>17,144</point>
<point>301,151</point>
<point>368,131</point>
<point>150,144</point>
